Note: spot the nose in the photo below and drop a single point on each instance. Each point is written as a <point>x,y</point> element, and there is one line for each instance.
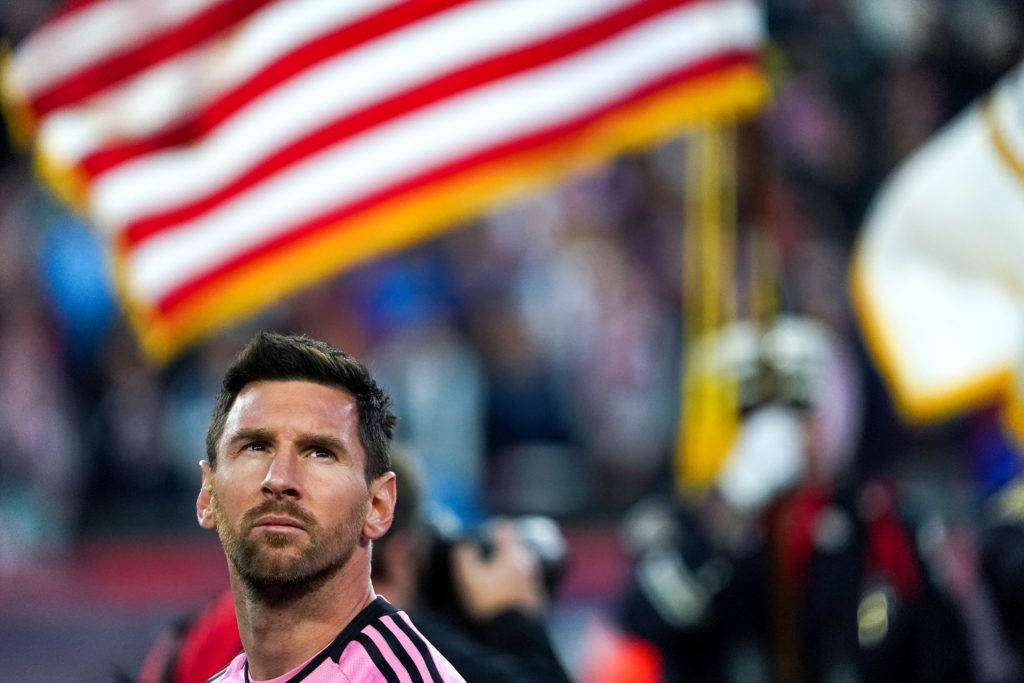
<point>282,478</point>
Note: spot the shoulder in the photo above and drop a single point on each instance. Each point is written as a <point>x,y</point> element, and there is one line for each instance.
<point>382,644</point>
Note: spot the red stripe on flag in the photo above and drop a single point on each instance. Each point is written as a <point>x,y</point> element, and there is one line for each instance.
<point>302,58</point>
<point>501,66</point>
<point>172,41</point>
<point>195,286</point>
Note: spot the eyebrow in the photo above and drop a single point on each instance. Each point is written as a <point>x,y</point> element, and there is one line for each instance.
<point>249,434</point>
<point>303,440</point>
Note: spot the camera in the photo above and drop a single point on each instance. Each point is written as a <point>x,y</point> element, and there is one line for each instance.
<point>540,534</point>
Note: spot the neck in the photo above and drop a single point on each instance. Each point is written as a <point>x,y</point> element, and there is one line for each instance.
<point>281,629</point>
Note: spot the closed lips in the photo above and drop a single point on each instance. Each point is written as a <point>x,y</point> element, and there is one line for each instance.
<point>275,520</point>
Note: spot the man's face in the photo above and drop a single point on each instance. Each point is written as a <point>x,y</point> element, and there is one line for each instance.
<point>288,497</point>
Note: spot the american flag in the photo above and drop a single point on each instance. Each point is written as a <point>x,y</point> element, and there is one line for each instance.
<point>231,152</point>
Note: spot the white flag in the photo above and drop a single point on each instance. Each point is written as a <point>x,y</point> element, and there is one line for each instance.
<point>938,273</point>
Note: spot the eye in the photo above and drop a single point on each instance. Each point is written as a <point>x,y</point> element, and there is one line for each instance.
<point>254,446</point>
<point>322,454</point>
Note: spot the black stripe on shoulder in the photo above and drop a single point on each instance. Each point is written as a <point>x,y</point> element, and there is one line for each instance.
<point>400,651</point>
<point>306,670</point>
<point>377,658</point>
<point>369,614</point>
<point>421,645</point>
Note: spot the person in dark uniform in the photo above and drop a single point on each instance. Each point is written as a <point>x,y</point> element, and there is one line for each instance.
<point>790,568</point>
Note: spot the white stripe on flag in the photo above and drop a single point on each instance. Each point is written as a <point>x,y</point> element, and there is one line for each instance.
<point>92,34</point>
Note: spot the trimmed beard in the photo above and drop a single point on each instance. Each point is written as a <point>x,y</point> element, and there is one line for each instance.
<point>277,577</point>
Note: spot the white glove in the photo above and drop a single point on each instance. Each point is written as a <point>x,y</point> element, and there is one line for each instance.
<point>767,457</point>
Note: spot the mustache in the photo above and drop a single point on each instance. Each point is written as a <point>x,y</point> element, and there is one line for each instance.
<point>278,507</point>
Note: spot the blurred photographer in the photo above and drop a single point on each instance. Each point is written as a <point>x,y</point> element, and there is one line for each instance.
<point>480,597</point>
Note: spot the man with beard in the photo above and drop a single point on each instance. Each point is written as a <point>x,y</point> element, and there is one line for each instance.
<point>298,485</point>
<point>479,595</point>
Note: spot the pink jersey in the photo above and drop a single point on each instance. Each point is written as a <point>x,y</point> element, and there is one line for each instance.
<point>379,645</point>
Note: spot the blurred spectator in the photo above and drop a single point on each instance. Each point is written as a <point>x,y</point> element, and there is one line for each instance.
<point>533,460</point>
<point>1002,566</point>
<point>72,260</point>
<point>130,412</point>
<point>41,473</point>
<point>435,378</point>
<point>596,315</point>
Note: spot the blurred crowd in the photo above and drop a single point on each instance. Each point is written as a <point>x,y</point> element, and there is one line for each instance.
<point>535,353</point>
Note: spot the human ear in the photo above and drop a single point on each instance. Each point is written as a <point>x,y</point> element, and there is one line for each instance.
<point>204,503</point>
<point>382,506</point>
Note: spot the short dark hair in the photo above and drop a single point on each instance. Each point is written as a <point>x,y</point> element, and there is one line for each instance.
<point>270,356</point>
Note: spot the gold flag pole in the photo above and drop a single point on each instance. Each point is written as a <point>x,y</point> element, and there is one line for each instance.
<point>707,418</point>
